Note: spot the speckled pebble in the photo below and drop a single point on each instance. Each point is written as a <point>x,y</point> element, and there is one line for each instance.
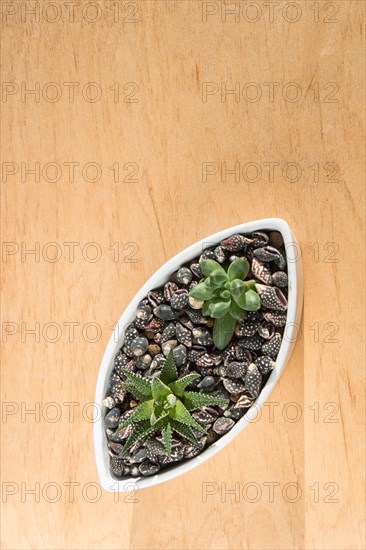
<point>112,418</point>
<point>222,425</point>
<point>253,380</point>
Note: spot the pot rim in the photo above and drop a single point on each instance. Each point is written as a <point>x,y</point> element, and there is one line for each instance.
<point>108,480</point>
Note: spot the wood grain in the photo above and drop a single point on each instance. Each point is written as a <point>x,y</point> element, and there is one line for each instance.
<point>307,446</point>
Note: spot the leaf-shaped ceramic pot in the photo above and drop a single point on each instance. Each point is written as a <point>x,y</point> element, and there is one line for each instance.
<point>295,299</point>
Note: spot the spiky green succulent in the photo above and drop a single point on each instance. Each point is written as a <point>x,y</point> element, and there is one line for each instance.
<point>226,296</point>
<point>165,405</point>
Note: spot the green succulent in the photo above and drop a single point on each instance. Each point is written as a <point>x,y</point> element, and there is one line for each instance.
<point>165,405</point>
<point>226,296</point>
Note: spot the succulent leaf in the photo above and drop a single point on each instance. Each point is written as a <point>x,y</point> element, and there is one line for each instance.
<point>140,431</point>
<point>159,389</point>
<point>194,400</point>
<point>206,309</point>
<point>181,414</point>
<point>237,288</point>
<point>223,331</point>
<point>253,301</point>
<point>167,439</point>
<point>249,285</point>
<point>218,277</point>
<point>249,300</point>
<point>238,269</point>
<point>180,385</point>
<point>169,371</point>
<point>236,312</point>
<point>207,266</point>
<point>218,307</point>
<point>201,291</point>
<point>158,414</point>
<point>135,392</point>
<point>141,412</point>
<point>184,430</point>
<point>135,382</point>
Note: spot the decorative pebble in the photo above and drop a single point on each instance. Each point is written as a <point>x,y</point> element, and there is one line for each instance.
<point>211,437</point>
<point>115,448</point>
<point>155,297</point>
<point>235,414</point>
<point>222,425</point>
<point>220,254</point>
<point>246,328</point>
<point>244,401</point>
<point>242,354</point>
<point>195,303</point>
<point>280,279</point>
<point>193,355</point>
<point>253,380</point>
<point>140,324</point>
<point>155,449</point>
<point>168,332</point>
<point>144,312</point>
<point>184,335</point>
<point>180,354</point>
<point>236,369</point>
<point>235,243</point>
<point>265,364</point>
<point>112,418</point>
<point>179,299</point>
<point>130,334</point>
<point>204,360</point>
<point>267,254</point>
<point>154,349</point>
<point>272,347</point>
<point>202,336</point>
<point>259,239</point>
<point>208,254</point>
<point>165,312</point>
<point>272,297</point>
<point>207,383</point>
<point>261,271</point>
<point>203,418</point>
<point>276,318</point>
<point>138,456</point>
<point>219,371</point>
<point>191,450</point>
<point>169,289</point>
<point>233,386</point>
<point>177,454</point>
<point>117,389</point>
<point>196,270</point>
<point>216,358</point>
<point>229,355</point>
<point>275,239</point>
<point>184,276</point>
<point>266,330</point>
<point>146,360</point>
<point>117,466</point>
<point>167,346</point>
<point>139,346</point>
<point>157,362</point>
<point>109,402</point>
<point>155,325</point>
<point>252,342</point>
<point>134,471</point>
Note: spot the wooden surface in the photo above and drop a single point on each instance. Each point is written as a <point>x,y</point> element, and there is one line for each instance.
<point>171,132</point>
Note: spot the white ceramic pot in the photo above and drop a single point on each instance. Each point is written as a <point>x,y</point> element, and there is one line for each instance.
<point>295,298</point>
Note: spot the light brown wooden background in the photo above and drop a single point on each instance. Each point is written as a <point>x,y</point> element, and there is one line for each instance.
<point>170,52</point>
